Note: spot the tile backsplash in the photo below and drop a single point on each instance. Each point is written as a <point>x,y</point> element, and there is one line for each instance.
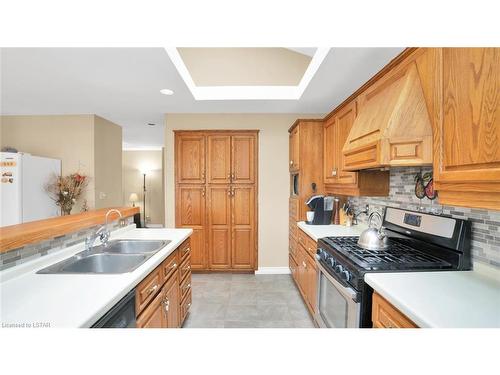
<point>29,252</point>
<point>485,245</point>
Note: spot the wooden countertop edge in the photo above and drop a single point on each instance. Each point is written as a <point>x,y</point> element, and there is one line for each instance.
<point>15,236</point>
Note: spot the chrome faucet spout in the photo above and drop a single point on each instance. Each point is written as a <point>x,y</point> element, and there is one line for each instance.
<point>102,232</point>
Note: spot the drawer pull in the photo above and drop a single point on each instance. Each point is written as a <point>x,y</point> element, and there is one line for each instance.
<point>187,268</point>
<point>166,304</point>
<point>173,266</point>
<point>186,287</point>
<point>152,289</point>
<point>189,305</point>
<point>304,264</point>
<point>187,249</point>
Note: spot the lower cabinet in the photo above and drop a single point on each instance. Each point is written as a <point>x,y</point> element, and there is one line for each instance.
<point>304,270</point>
<point>163,298</point>
<point>385,315</point>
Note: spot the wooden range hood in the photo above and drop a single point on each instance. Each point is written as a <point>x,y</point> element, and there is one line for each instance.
<point>393,127</point>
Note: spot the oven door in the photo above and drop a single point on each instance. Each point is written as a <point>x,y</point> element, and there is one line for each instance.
<point>337,306</point>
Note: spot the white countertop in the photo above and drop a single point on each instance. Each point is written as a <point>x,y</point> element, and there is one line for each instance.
<point>319,231</point>
<point>64,300</point>
<point>444,299</point>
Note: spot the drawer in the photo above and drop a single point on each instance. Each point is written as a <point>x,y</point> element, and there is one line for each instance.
<point>385,315</point>
<point>147,290</point>
<point>186,286</point>
<point>307,243</point>
<point>185,267</point>
<point>170,265</point>
<point>184,250</point>
<point>185,305</point>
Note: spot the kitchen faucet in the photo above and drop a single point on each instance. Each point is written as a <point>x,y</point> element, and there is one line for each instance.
<point>102,232</point>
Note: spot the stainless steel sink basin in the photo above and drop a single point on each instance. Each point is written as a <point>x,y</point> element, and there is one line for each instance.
<point>119,256</point>
<point>98,263</point>
<point>132,246</point>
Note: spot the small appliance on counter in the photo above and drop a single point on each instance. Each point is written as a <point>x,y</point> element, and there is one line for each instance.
<point>322,207</point>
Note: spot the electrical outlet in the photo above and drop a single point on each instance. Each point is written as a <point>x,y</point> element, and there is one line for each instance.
<point>102,195</point>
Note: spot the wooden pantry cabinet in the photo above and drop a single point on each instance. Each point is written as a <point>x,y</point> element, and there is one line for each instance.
<point>222,208</point>
<point>163,298</point>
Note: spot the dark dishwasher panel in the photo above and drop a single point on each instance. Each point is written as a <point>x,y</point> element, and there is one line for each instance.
<point>121,315</point>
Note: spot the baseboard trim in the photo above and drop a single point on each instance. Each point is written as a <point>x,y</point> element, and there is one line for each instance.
<point>272,271</point>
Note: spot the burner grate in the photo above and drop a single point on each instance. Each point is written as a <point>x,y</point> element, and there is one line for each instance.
<point>397,256</point>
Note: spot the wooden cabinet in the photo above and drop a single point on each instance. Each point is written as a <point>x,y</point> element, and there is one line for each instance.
<point>385,315</point>
<point>304,269</point>
<point>243,159</point>
<point>243,227</point>
<point>160,298</point>
<point>221,210</point>
<point>219,158</point>
<point>306,140</point>
<point>171,302</point>
<point>190,213</point>
<point>219,227</point>
<point>467,157</point>
<point>294,149</point>
<point>337,180</point>
<point>190,158</point>
<point>153,316</point>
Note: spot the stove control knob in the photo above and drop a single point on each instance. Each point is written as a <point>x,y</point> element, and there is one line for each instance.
<point>332,261</point>
<point>345,275</point>
<point>339,268</point>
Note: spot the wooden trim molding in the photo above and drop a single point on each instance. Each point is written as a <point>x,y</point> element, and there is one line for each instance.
<point>14,236</point>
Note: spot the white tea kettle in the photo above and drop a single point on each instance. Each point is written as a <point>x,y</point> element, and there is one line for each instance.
<point>373,238</point>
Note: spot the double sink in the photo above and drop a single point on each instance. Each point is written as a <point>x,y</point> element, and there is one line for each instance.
<point>117,256</point>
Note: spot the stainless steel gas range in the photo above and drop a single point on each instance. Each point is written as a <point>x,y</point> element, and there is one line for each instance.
<point>417,242</point>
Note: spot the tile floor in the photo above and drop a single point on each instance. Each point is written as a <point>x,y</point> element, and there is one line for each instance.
<point>246,301</point>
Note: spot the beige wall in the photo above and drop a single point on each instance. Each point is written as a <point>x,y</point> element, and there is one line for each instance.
<point>85,143</point>
<point>107,163</point>
<point>133,163</point>
<point>69,138</point>
<point>244,66</point>
<point>273,173</point>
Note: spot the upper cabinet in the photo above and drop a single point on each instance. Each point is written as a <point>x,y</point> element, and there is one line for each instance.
<point>336,179</point>
<point>243,158</point>
<point>392,127</point>
<point>294,149</point>
<point>219,159</point>
<point>190,158</point>
<point>467,138</point>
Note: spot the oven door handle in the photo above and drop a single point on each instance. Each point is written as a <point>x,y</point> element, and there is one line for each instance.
<point>344,290</point>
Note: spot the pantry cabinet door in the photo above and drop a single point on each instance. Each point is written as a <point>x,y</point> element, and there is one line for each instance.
<point>190,213</point>
<point>243,227</point>
<point>219,227</point>
<point>219,159</point>
<point>243,159</point>
<point>190,158</point>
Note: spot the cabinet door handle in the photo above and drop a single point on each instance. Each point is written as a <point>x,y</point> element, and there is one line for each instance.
<point>173,266</point>
<point>189,305</point>
<point>152,289</point>
<point>304,264</point>
<point>186,287</point>
<point>334,172</point>
<point>229,176</point>
<point>291,162</point>
<point>232,176</point>
<point>229,192</point>
<point>166,304</point>
<point>186,250</point>
<point>203,192</point>
<point>202,175</point>
<point>187,268</point>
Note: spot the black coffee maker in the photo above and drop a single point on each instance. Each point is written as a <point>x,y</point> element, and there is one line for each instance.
<point>323,209</point>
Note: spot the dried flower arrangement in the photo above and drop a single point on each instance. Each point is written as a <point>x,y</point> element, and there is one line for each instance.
<point>65,190</point>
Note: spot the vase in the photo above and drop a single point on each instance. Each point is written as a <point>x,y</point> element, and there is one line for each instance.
<point>66,210</point>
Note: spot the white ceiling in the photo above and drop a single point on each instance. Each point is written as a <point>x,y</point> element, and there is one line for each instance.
<point>122,85</point>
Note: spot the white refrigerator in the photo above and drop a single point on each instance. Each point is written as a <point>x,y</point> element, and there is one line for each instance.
<point>22,188</point>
